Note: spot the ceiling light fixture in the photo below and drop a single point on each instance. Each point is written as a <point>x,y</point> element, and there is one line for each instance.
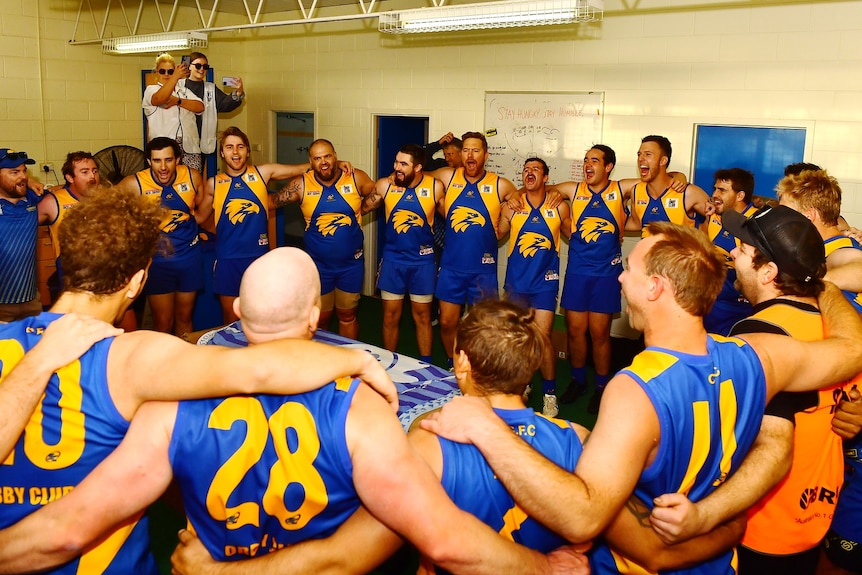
<point>505,14</point>
<point>154,43</point>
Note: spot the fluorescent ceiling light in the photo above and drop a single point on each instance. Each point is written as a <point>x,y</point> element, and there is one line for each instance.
<point>154,43</point>
<point>505,14</point>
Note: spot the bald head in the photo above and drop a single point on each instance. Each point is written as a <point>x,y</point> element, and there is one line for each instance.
<point>279,296</point>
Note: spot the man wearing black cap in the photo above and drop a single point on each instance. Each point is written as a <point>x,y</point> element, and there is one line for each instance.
<point>779,268</point>
<point>18,294</point>
<point>681,417</point>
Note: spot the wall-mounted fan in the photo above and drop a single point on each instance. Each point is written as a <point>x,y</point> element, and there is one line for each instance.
<point>117,162</point>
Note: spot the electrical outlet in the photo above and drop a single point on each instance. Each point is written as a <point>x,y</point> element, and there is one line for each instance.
<point>47,167</point>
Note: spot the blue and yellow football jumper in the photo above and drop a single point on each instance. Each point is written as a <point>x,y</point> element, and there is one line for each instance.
<point>472,213</point>
<point>241,207</point>
<point>178,198</point>
<point>534,250</point>
<point>471,484</point>
<point>277,469</point>
<point>73,428</point>
<point>845,242</point>
<point>333,233</point>
<point>668,207</point>
<point>709,409</point>
<point>409,216</point>
<point>598,222</point>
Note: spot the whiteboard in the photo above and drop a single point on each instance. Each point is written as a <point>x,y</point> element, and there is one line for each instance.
<point>555,126</point>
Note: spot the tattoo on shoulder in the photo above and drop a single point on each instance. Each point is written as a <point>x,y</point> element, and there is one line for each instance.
<point>292,192</point>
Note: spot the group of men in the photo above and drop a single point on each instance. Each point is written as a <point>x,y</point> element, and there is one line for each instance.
<point>682,417</point>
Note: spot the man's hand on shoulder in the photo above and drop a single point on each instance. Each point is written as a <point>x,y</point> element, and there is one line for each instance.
<point>516,202</point>
<point>70,336</point>
<point>461,419</point>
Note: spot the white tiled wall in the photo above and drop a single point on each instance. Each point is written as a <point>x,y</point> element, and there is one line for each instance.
<point>662,69</point>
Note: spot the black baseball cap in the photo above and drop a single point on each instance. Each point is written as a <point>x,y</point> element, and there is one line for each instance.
<point>784,236</point>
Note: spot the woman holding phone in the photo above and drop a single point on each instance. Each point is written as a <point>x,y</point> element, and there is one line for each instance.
<point>170,107</point>
<point>215,102</point>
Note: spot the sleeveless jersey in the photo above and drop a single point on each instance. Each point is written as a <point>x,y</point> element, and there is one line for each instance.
<point>409,221</point>
<point>846,521</point>
<point>534,250</point>
<point>333,234</point>
<point>841,242</point>
<point>796,514</point>
<point>66,199</point>
<point>471,484</point>
<point>277,468</point>
<point>178,198</point>
<point>241,207</point>
<point>73,428</point>
<point>598,220</point>
<point>668,207</point>
<point>472,212</point>
<point>709,408</point>
<point>19,223</point>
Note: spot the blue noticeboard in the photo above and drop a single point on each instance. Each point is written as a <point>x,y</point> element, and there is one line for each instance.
<point>764,151</point>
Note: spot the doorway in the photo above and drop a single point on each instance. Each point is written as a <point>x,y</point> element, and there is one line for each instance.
<point>294,132</point>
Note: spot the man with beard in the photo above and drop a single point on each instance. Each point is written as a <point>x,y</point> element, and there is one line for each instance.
<point>82,178</point>
<point>176,273</point>
<point>331,202</point>
<point>241,205</point>
<point>657,415</point>
<point>533,267</point>
<point>779,261</point>
<point>19,218</point>
<point>591,292</point>
<point>654,199</point>
<point>472,205</point>
<point>309,460</point>
<point>732,192</point>
<point>408,262</point>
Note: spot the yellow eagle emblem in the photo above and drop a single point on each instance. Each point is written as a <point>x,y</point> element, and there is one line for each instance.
<point>173,220</point>
<point>591,228</point>
<point>238,209</point>
<point>463,217</point>
<point>403,220</point>
<point>328,223</point>
<point>530,242</point>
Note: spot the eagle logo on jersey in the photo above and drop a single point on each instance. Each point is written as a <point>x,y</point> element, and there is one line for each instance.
<point>403,220</point>
<point>530,242</point>
<point>174,219</point>
<point>463,217</point>
<point>592,227</point>
<point>328,223</point>
<point>238,209</point>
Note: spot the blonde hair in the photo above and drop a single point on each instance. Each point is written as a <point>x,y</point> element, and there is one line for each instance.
<point>165,57</point>
<point>813,189</point>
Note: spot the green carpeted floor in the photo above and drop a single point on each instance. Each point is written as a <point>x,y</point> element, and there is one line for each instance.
<point>165,521</point>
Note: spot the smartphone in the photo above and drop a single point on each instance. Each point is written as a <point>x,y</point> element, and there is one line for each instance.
<point>229,81</point>
<point>186,61</point>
